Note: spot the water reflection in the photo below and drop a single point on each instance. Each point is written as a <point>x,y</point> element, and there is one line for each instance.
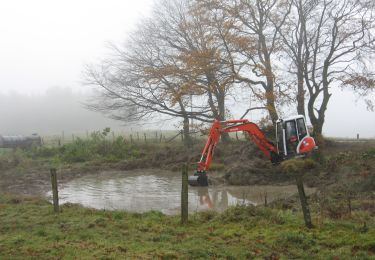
<point>217,198</point>
<point>204,198</point>
<point>140,191</point>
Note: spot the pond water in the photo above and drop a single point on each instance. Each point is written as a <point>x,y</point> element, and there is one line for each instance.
<point>145,190</point>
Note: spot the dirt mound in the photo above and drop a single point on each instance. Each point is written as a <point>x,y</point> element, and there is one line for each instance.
<point>248,166</point>
<point>251,175</point>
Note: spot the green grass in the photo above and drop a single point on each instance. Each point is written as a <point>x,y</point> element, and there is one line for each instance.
<point>96,148</point>
<point>29,230</point>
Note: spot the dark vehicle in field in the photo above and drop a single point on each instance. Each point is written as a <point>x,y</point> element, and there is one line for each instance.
<point>20,141</point>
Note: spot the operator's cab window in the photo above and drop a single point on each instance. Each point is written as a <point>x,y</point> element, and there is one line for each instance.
<point>291,136</point>
<point>290,128</point>
<point>302,131</point>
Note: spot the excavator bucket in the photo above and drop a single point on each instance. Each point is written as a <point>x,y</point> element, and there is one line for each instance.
<point>198,179</point>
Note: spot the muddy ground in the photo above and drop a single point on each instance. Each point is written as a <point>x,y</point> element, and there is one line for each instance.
<point>236,163</point>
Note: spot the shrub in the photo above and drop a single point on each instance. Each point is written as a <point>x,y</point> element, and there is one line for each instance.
<point>370,154</point>
<point>249,213</point>
<point>97,147</point>
<point>297,165</point>
<point>79,151</point>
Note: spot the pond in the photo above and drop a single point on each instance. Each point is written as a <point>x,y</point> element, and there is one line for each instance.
<point>145,190</point>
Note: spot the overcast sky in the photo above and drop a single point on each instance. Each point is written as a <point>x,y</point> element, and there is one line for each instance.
<point>46,43</point>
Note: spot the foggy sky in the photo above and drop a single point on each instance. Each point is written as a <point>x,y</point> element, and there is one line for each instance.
<point>46,43</point>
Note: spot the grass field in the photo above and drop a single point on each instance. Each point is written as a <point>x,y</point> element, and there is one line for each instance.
<point>29,230</point>
<point>343,210</point>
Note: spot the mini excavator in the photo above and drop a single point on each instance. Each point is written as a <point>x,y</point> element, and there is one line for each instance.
<point>293,140</point>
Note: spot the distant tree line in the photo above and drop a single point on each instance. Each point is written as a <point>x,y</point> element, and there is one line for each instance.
<point>281,51</point>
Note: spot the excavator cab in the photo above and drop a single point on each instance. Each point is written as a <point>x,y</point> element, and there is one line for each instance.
<point>292,138</point>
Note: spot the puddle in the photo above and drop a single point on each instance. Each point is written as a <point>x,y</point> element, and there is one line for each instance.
<point>145,190</point>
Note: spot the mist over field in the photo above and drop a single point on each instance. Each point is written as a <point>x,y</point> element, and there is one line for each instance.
<point>59,109</point>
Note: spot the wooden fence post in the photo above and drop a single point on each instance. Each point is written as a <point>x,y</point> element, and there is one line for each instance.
<point>184,195</point>
<point>265,199</point>
<point>55,192</point>
<point>304,204</point>
<point>145,138</point>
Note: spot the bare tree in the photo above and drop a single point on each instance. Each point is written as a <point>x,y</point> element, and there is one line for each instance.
<point>174,55</point>
<point>189,30</point>
<point>293,35</point>
<point>325,42</point>
<point>252,43</point>
<point>143,78</point>
<point>338,37</point>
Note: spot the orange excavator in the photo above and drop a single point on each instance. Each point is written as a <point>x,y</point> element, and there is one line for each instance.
<point>293,140</point>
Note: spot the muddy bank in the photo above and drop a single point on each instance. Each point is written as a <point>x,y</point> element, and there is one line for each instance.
<point>235,163</point>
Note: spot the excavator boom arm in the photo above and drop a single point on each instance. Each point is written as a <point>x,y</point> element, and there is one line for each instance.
<point>256,135</point>
<point>292,135</point>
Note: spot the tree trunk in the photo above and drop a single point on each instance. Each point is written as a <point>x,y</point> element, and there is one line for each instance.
<point>319,139</point>
<point>271,107</point>
<point>303,199</point>
<point>300,93</point>
<point>270,86</point>
<point>300,66</point>
<point>185,195</point>
<point>221,107</point>
<point>319,120</point>
<point>186,133</point>
<point>318,127</point>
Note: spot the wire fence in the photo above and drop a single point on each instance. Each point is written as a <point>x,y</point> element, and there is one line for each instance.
<point>148,136</point>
